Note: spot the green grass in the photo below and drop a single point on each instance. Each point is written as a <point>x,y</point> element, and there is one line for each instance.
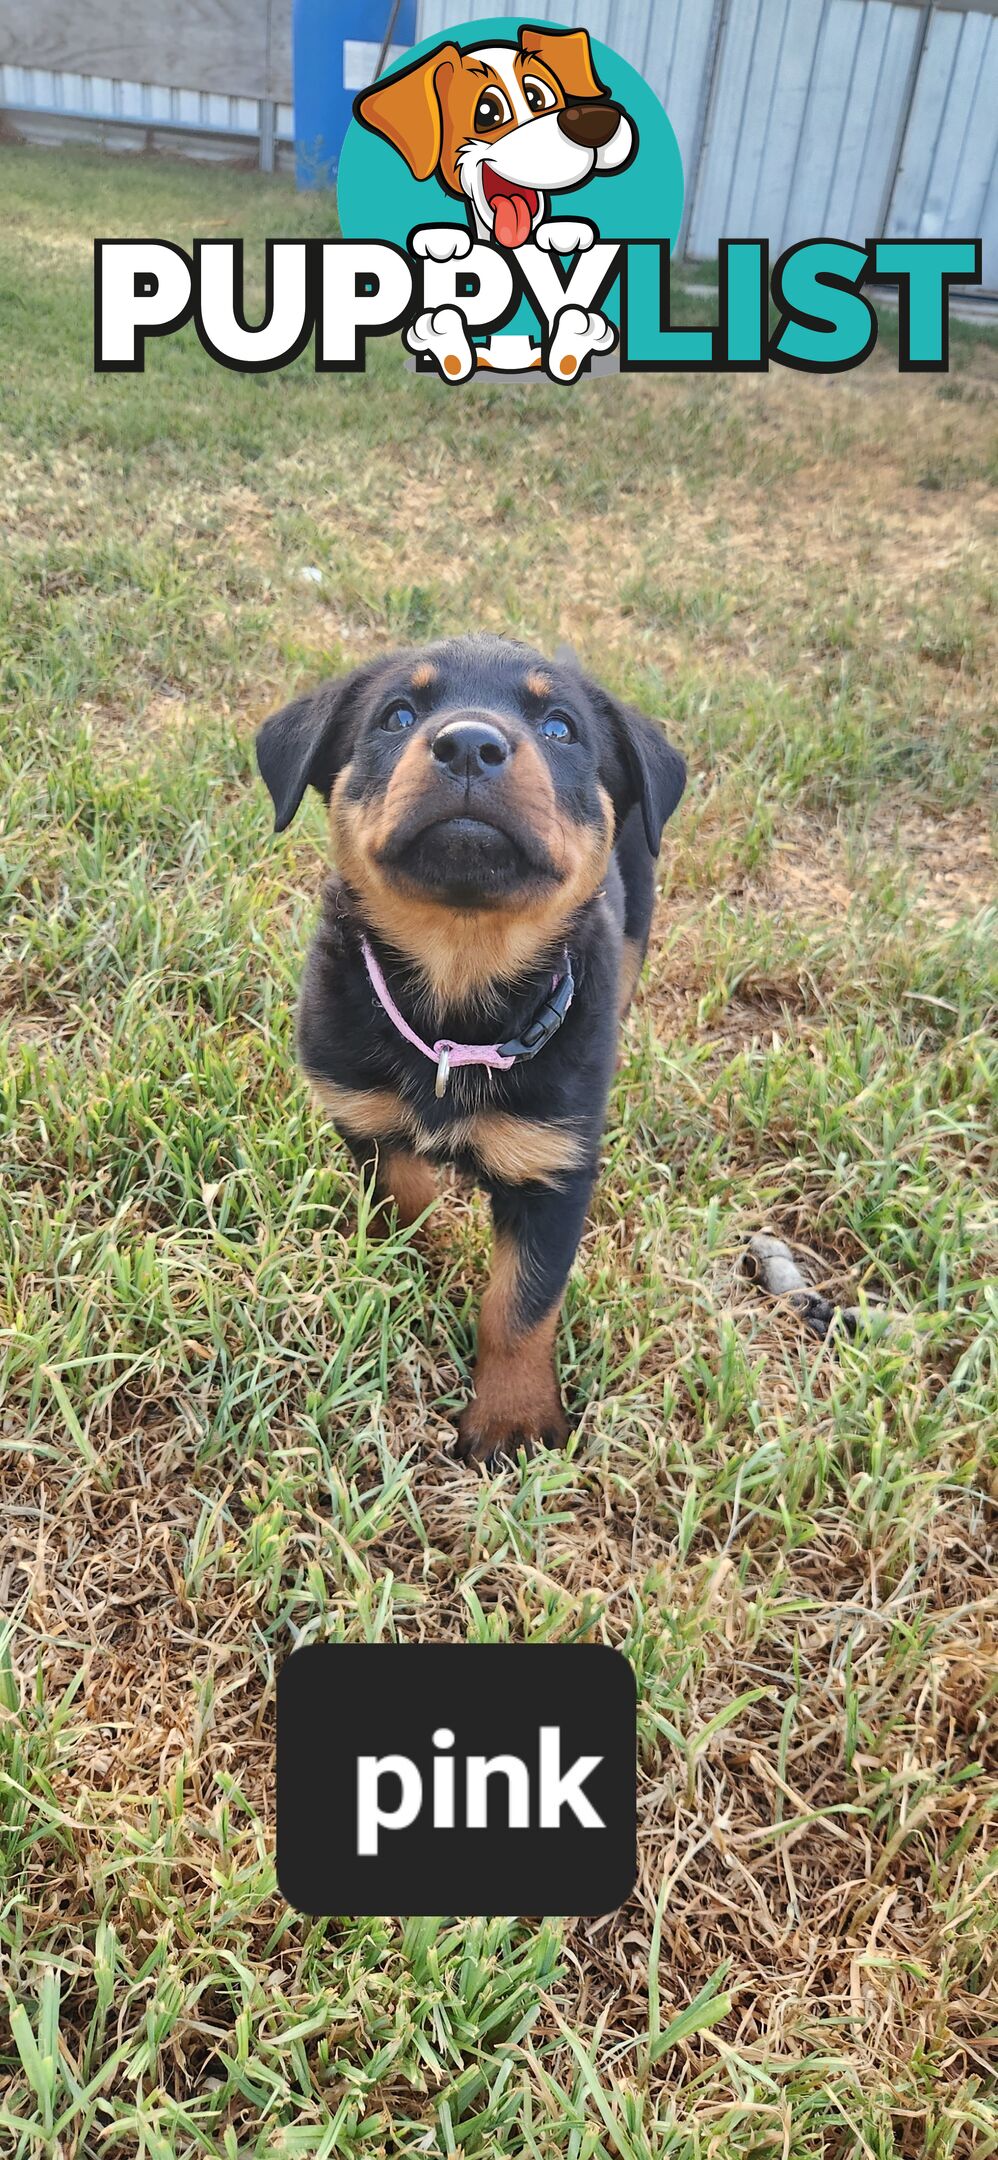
<point>226,1409</point>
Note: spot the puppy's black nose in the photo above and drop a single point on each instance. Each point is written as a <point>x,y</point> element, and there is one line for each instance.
<point>589,125</point>
<point>470,749</point>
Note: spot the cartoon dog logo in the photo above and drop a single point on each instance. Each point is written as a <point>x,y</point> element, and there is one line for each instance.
<point>504,127</point>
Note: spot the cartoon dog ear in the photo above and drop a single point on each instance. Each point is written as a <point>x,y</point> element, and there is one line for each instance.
<point>568,54</point>
<point>308,742</point>
<point>642,766</point>
<point>405,109</point>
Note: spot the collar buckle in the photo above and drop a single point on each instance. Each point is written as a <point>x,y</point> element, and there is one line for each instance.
<point>443,1072</point>
<point>546,1021</point>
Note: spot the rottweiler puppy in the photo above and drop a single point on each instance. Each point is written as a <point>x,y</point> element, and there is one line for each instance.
<point>494,820</point>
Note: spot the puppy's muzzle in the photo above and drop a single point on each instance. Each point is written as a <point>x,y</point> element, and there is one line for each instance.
<point>590,126</point>
<point>470,749</point>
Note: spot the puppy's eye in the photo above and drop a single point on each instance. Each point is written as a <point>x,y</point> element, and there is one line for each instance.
<point>491,111</point>
<point>398,717</point>
<point>539,95</point>
<point>557,727</point>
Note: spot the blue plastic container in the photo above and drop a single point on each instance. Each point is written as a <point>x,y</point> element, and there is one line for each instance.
<point>336,48</point>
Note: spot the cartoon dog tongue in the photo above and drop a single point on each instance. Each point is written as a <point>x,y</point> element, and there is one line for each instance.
<point>512,220</point>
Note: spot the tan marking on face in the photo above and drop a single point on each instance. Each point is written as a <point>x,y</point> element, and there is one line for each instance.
<point>537,684</point>
<point>366,1113</point>
<point>631,957</point>
<point>407,1182</point>
<point>409,776</point>
<point>516,1386</point>
<point>364,828</point>
<point>463,952</point>
<point>519,1150</point>
<point>424,673</point>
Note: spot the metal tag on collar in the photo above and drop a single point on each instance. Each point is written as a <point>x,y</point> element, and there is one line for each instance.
<point>545,1023</point>
<point>443,1072</point>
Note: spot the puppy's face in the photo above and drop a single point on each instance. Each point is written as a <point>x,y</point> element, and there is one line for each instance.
<point>474,792</point>
<point>474,782</point>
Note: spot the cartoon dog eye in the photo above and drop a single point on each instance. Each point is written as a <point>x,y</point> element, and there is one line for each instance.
<point>492,110</point>
<point>398,717</point>
<point>539,95</point>
<point>557,727</point>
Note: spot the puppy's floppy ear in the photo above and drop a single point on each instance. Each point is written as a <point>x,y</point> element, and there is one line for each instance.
<point>307,742</point>
<point>568,54</point>
<point>405,109</point>
<point>642,766</point>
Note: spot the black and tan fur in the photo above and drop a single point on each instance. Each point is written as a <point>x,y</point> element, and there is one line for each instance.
<point>487,811</point>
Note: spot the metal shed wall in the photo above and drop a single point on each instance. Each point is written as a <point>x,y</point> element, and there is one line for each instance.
<point>806,107</point>
<point>947,179</point>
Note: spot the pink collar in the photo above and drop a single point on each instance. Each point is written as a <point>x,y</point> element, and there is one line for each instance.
<point>499,1056</point>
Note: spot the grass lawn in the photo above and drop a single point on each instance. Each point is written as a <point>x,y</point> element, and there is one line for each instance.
<point>226,1414</point>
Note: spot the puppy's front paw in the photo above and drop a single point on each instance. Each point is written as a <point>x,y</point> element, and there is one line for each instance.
<point>565,236</point>
<point>442,243</point>
<point>577,333</point>
<point>443,333</point>
<point>491,1439</point>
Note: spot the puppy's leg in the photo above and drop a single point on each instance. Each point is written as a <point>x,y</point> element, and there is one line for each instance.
<point>516,1401</point>
<point>405,1182</point>
<point>402,1181</point>
<point>632,960</point>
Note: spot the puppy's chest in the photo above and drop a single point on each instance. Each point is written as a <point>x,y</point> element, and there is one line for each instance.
<point>515,1127</point>
<point>481,1127</point>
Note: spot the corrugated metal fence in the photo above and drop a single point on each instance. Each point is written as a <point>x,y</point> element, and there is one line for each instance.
<point>794,117</point>
<point>799,117</point>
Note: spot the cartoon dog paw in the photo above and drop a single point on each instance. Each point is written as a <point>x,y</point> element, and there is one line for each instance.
<point>565,236</point>
<point>577,333</point>
<point>443,333</point>
<point>442,243</point>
